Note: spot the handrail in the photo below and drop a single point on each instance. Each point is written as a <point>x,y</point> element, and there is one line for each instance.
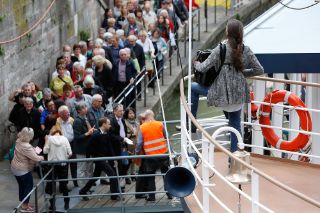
<point>33,189</point>
<point>260,78</point>
<point>257,171</point>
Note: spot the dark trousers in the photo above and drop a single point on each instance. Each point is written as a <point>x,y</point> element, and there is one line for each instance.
<point>73,166</point>
<point>141,181</point>
<point>60,172</point>
<point>25,183</point>
<point>99,167</point>
<point>150,167</point>
<point>235,122</point>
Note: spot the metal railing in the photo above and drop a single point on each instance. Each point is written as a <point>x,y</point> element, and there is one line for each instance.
<point>54,196</point>
<point>208,145</point>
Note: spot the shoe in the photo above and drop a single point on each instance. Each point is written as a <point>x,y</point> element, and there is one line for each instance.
<point>75,184</point>
<point>151,199</point>
<point>141,196</point>
<point>66,206</point>
<point>91,191</point>
<point>104,182</point>
<point>169,196</point>
<point>128,181</point>
<point>85,198</point>
<point>26,209</point>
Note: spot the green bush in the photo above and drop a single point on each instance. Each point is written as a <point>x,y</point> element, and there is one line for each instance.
<point>84,35</point>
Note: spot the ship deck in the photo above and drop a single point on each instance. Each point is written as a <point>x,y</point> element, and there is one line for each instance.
<point>303,177</point>
<point>96,204</point>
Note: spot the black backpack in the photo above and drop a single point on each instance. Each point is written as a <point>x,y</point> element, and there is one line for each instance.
<point>207,78</point>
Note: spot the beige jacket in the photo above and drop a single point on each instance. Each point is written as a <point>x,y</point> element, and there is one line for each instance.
<point>25,156</point>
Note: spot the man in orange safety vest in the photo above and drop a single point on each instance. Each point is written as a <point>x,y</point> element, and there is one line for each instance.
<point>152,138</point>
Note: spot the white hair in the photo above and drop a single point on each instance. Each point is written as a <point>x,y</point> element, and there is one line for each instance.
<point>123,50</point>
<point>76,64</point>
<point>102,52</point>
<point>88,80</point>
<point>89,71</point>
<point>132,37</point>
<point>62,109</point>
<point>107,35</point>
<point>99,42</point>
<point>28,100</point>
<point>128,50</point>
<point>82,43</point>
<point>96,97</point>
<point>131,15</point>
<point>120,32</point>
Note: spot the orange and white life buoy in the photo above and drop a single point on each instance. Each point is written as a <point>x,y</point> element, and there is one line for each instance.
<point>305,121</point>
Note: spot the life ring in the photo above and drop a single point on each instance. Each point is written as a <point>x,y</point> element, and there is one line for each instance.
<point>305,121</point>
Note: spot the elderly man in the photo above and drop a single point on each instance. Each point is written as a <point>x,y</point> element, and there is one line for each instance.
<point>119,131</point>
<point>79,97</point>
<point>133,27</point>
<point>152,137</point>
<point>82,133</point>
<point>95,112</point>
<point>65,124</point>
<point>148,14</point>
<point>124,74</point>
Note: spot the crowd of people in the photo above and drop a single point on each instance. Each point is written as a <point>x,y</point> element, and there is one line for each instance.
<point>75,117</point>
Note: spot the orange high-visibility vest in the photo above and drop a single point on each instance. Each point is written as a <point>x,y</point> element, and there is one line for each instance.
<point>153,139</point>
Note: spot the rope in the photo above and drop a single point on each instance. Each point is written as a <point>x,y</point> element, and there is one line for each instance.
<point>163,115</point>
<point>31,28</point>
<point>297,8</point>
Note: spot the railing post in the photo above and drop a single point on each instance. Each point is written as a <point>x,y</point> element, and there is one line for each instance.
<point>36,200</point>
<point>176,37</point>
<point>145,89</point>
<point>183,123</point>
<point>53,201</point>
<point>162,75</point>
<point>206,13</point>
<point>205,174</point>
<point>185,40</point>
<point>255,192</point>
<point>215,11</point>
<point>198,24</point>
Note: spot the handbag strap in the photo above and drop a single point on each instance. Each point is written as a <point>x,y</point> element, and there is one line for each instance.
<point>62,80</point>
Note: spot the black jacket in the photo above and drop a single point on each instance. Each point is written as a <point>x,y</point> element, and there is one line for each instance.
<point>114,132</point>
<point>108,54</point>
<point>105,78</point>
<point>100,145</point>
<point>80,140</point>
<point>31,120</point>
<point>138,51</point>
<point>131,72</point>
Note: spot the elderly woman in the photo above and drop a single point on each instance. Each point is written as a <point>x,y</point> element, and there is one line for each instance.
<point>56,84</point>
<point>77,73</point>
<point>58,148</point>
<point>25,157</point>
<point>90,88</point>
<point>103,74</point>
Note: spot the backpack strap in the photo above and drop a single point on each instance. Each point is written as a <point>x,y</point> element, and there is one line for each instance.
<point>223,50</point>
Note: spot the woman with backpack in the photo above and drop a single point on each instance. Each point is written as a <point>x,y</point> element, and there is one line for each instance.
<point>230,90</point>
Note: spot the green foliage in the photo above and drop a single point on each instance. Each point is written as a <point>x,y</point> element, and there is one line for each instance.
<point>238,17</point>
<point>84,35</point>
<point>29,35</point>
<point>1,51</point>
<point>1,18</point>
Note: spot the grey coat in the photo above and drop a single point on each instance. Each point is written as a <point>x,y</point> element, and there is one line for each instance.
<point>230,87</point>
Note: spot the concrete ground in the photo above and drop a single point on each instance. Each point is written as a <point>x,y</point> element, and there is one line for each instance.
<point>8,185</point>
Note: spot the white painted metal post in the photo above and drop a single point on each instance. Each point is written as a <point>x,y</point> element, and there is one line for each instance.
<point>183,124</point>
<point>293,116</point>
<point>313,101</point>
<point>255,192</point>
<point>257,137</point>
<point>277,112</point>
<point>205,174</point>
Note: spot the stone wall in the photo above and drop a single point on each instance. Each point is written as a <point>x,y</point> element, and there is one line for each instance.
<point>33,57</point>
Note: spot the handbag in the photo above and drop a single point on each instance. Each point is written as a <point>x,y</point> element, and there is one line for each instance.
<point>124,152</point>
<point>149,63</point>
<point>207,78</point>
